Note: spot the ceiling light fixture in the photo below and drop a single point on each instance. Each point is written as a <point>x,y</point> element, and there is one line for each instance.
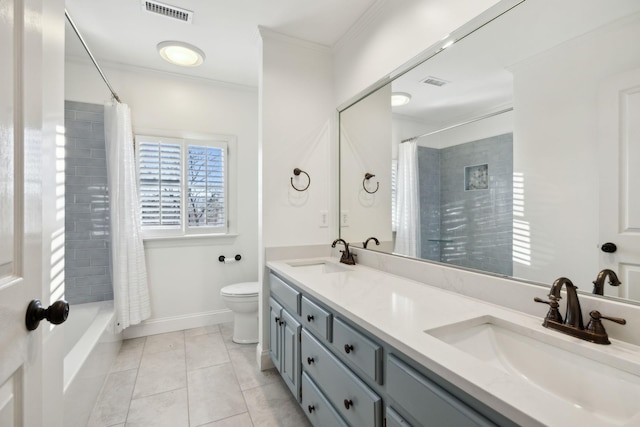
<point>180,53</point>
<point>400,98</point>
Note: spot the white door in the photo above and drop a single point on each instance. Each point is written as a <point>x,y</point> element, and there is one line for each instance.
<point>619,153</point>
<point>31,230</point>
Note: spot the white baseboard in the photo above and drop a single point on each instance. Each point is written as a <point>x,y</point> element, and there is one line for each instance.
<point>264,360</point>
<point>178,323</point>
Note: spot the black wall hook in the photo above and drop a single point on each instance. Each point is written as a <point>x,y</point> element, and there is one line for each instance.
<point>297,172</point>
<point>367,177</point>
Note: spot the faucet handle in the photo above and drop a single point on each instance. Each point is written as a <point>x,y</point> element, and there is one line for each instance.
<point>595,315</point>
<point>554,313</point>
<point>596,328</point>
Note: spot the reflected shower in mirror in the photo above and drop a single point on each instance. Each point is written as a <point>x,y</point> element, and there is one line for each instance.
<point>516,154</point>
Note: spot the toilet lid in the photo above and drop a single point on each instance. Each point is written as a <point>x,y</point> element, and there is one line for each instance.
<point>241,289</point>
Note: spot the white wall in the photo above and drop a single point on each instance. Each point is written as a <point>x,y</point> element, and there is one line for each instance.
<point>555,99</point>
<point>297,120</point>
<point>391,34</point>
<point>185,275</point>
<point>365,147</point>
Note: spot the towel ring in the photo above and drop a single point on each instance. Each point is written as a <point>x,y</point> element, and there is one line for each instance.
<point>297,172</point>
<point>368,176</point>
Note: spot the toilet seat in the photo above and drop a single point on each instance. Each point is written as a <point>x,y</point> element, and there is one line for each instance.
<point>244,289</point>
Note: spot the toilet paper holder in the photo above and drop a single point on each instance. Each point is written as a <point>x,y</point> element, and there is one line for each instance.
<point>222,258</point>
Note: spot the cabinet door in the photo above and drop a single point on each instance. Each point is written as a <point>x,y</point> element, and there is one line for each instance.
<point>290,357</point>
<point>275,348</point>
<point>317,407</point>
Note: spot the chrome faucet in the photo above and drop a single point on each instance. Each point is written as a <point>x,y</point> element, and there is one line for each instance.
<point>598,284</point>
<point>347,257</point>
<point>366,242</point>
<point>572,324</point>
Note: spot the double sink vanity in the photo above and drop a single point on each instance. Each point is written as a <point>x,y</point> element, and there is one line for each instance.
<point>361,347</point>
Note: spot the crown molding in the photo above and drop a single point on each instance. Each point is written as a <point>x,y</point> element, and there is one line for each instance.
<point>368,18</point>
<point>266,33</point>
<point>160,73</point>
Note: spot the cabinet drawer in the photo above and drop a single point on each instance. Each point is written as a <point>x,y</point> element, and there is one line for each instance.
<point>424,400</point>
<point>285,293</point>
<point>393,419</point>
<point>316,318</point>
<point>317,407</point>
<point>364,353</point>
<point>351,397</point>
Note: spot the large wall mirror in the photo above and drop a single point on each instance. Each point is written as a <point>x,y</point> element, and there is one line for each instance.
<point>515,150</point>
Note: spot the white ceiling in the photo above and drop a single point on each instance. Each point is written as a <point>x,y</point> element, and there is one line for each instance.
<point>478,67</point>
<point>121,32</point>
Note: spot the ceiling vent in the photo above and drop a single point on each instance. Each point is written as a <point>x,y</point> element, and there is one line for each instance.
<point>435,81</point>
<point>168,10</point>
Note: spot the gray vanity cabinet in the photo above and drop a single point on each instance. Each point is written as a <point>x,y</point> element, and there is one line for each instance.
<point>363,354</point>
<point>422,399</point>
<point>317,407</point>
<point>351,397</point>
<point>393,419</point>
<point>343,375</point>
<point>284,331</point>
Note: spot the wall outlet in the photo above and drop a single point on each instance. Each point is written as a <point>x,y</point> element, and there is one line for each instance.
<point>324,219</point>
<point>344,219</point>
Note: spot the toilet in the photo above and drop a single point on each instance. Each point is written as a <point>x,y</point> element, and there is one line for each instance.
<point>242,299</point>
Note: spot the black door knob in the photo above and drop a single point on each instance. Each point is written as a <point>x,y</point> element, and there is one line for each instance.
<point>57,313</point>
<point>609,247</point>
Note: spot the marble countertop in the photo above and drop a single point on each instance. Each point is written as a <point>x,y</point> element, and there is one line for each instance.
<point>399,310</point>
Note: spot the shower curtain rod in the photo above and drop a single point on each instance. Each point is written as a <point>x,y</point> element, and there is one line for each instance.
<point>84,44</point>
<point>486,116</point>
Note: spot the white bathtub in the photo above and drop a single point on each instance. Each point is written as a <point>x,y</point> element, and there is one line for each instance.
<point>91,346</point>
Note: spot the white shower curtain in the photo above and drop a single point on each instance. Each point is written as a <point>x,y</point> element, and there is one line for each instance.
<point>129,273</point>
<point>407,201</point>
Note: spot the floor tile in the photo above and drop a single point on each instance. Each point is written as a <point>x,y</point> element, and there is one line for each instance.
<point>164,342</point>
<point>205,350</point>
<point>242,420</point>
<point>150,383</point>
<point>168,409</point>
<point>273,405</point>
<point>166,361</point>
<point>210,329</point>
<point>129,355</point>
<point>245,365</point>
<point>226,329</point>
<point>214,394</point>
<point>113,403</point>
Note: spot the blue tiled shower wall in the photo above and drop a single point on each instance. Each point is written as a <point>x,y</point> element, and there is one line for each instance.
<point>87,256</point>
<point>468,228</point>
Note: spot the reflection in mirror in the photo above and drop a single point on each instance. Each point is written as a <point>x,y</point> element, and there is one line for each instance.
<point>516,154</point>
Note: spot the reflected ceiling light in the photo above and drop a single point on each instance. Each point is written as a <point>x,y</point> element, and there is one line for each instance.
<point>447,44</point>
<point>400,98</point>
<point>180,53</point>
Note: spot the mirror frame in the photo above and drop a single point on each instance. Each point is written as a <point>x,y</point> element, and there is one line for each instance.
<point>459,34</point>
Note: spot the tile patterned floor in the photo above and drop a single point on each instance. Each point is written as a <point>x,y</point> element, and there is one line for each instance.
<point>197,377</point>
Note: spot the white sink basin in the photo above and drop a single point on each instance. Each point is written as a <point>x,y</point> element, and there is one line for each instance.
<point>318,266</point>
<point>598,387</point>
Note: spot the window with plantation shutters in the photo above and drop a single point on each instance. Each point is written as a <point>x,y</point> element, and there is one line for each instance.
<point>160,184</point>
<point>182,186</point>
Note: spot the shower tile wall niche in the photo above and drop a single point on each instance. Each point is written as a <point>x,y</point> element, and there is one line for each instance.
<point>87,257</point>
<point>466,226</point>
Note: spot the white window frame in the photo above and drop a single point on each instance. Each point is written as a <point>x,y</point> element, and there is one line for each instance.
<point>228,143</point>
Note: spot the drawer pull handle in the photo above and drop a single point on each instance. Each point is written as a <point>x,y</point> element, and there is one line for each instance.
<point>348,348</point>
<point>276,319</point>
<point>348,403</point>
<point>309,317</point>
<point>311,408</point>
<point>310,360</point>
